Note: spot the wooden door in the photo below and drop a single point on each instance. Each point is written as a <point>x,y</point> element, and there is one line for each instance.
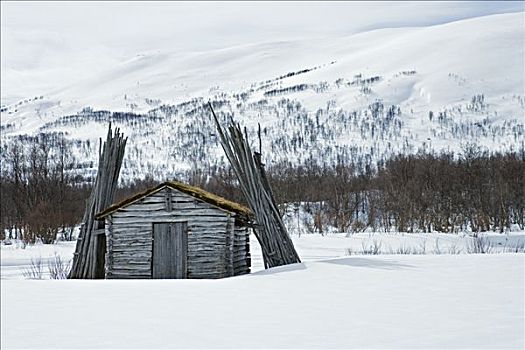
<point>170,250</point>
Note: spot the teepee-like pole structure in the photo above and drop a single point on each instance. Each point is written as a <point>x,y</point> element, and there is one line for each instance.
<point>88,261</point>
<point>276,245</point>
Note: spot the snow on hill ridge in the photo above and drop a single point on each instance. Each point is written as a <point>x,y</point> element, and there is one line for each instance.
<point>366,95</point>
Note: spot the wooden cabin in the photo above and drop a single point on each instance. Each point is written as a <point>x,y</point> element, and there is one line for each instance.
<point>176,231</point>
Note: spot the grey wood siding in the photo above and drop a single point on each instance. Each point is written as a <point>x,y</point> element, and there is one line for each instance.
<point>241,249</point>
<point>211,236</point>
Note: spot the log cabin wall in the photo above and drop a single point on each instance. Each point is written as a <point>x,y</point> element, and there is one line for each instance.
<point>241,249</point>
<point>217,246</point>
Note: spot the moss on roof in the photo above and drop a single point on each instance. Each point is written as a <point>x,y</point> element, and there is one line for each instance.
<point>193,191</point>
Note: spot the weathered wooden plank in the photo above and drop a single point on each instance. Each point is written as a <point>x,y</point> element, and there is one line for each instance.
<point>130,250</point>
<point>126,228</point>
<point>138,268</point>
<point>195,244</point>
<point>208,257</point>
<point>197,262</point>
<point>146,227</point>
<point>206,276</point>
<point>123,244</point>
<point>132,264</point>
<point>122,233</point>
<point>139,236</point>
<point>118,275</point>
<point>208,269</point>
<point>132,243</point>
<point>242,271</point>
<point>238,257</point>
<point>240,260</point>
<point>157,207</point>
<point>131,238</point>
<point>142,256</point>
<point>196,240</point>
<point>146,250</point>
<point>182,215</point>
<point>188,213</point>
<point>153,207</point>
<point>139,254</point>
<point>202,231</point>
<point>194,221</point>
<point>130,272</point>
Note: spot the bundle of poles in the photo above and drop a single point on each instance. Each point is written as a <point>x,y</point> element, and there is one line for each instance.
<point>88,260</point>
<point>277,247</point>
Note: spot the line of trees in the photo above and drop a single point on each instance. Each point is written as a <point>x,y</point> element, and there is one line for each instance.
<point>44,198</point>
<point>41,196</point>
<point>408,193</point>
<point>44,191</point>
<point>477,191</point>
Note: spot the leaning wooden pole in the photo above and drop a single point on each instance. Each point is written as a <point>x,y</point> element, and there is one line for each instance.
<point>276,245</point>
<point>88,251</point>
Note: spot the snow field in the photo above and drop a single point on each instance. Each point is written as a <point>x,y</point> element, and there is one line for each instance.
<point>328,301</point>
<point>445,301</point>
<point>16,259</point>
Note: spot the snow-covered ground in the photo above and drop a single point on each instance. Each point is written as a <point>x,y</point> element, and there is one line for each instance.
<point>329,301</point>
<point>17,259</point>
<point>440,301</point>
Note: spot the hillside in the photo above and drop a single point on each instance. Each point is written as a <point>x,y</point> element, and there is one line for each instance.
<point>357,98</point>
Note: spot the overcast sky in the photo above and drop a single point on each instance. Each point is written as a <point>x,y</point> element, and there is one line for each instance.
<point>136,26</point>
<point>68,36</point>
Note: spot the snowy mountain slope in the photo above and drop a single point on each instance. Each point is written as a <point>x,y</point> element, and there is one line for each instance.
<point>367,96</point>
